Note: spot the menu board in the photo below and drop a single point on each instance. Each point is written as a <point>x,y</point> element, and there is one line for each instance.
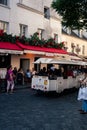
<point>3,73</point>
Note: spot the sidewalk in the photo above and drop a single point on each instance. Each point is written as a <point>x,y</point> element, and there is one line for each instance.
<point>28,85</point>
<point>26,110</point>
<point>17,87</point>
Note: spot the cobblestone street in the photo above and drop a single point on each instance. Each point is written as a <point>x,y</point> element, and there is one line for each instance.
<point>26,110</point>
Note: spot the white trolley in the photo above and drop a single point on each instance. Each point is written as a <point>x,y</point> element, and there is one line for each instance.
<point>59,84</point>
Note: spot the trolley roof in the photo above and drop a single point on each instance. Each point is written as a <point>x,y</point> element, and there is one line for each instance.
<point>56,61</point>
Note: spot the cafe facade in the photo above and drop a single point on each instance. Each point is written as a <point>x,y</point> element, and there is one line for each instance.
<point>24,18</point>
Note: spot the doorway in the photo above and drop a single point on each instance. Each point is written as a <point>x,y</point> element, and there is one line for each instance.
<point>25,64</point>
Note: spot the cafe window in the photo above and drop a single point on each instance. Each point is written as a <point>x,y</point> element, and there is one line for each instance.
<point>5,60</point>
<point>37,67</point>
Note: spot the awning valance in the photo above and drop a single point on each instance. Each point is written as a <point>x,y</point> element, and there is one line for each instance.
<point>56,61</point>
<point>10,48</point>
<point>41,50</point>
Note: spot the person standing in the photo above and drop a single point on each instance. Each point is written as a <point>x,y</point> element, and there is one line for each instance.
<point>15,74</point>
<point>10,79</point>
<point>83,95</point>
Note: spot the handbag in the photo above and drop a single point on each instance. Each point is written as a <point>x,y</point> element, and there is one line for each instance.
<point>82,94</point>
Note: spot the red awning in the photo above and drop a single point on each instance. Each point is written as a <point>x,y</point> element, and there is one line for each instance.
<point>10,46</point>
<point>41,49</point>
<point>7,47</point>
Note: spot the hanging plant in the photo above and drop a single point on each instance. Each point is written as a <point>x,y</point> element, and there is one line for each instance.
<point>33,40</point>
<point>7,38</point>
<point>61,45</point>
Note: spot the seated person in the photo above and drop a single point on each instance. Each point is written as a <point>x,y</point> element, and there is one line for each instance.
<point>28,75</point>
<point>33,72</point>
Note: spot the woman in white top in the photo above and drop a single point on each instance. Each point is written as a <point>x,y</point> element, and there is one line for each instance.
<point>84,101</point>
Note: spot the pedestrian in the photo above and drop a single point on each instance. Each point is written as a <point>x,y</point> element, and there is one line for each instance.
<point>20,77</point>
<point>82,95</point>
<point>15,74</point>
<point>10,79</point>
<point>15,71</point>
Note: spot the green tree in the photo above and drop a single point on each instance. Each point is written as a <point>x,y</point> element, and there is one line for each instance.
<point>73,12</point>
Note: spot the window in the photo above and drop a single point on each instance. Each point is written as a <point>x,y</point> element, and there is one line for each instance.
<point>77,49</point>
<point>40,33</point>
<point>20,1</point>
<point>46,12</point>
<point>23,30</point>
<point>56,38</point>
<point>4,26</point>
<point>69,31</point>
<point>80,33</point>
<point>83,49</point>
<point>73,47</point>
<point>4,2</point>
<point>37,66</point>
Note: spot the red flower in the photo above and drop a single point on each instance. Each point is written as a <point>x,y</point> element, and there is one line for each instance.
<point>62,42</point>
<point>17,37</point>
<point>1,32</point>
<point>37,33</point>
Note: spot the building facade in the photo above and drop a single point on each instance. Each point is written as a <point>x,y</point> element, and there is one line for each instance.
<point>24,18</point>
<point>75,43</point>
